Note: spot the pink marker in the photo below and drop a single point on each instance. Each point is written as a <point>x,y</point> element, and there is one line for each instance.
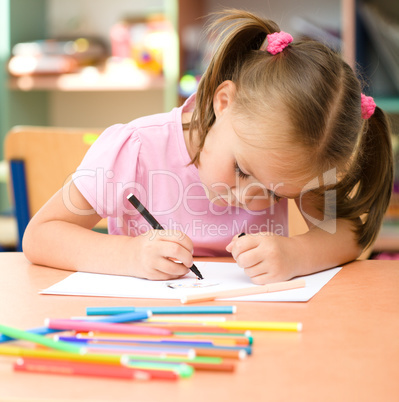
<point>87,326</point>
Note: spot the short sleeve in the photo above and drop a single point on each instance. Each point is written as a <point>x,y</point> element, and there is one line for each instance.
<point>109,170</point>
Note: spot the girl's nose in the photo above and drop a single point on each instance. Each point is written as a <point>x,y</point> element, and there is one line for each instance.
<point>252,196</point>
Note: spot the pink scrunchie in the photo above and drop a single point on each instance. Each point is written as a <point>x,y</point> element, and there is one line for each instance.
<point>368,106</point>
<point>277,42</point>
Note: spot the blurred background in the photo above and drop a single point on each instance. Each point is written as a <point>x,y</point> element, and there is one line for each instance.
<point>93,63</point>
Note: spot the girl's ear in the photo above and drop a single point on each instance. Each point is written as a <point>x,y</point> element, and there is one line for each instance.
<point>223,97</point>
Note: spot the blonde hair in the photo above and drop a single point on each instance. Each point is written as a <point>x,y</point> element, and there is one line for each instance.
<point>319,94</point>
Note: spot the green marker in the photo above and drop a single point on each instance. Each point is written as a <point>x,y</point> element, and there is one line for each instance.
<point>41,340</point>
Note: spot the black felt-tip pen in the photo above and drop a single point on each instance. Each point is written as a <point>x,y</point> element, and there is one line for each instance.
<point>154,224</point>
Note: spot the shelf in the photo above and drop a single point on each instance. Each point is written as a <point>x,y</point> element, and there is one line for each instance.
<point>90,80</point>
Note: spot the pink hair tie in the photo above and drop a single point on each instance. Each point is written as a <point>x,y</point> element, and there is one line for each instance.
<point>368,106</point>
<point>277,42</point>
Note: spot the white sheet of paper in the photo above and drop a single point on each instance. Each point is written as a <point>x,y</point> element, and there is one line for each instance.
<point>218,276</point>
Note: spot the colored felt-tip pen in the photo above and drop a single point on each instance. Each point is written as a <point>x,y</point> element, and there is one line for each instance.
<point>155,224</point>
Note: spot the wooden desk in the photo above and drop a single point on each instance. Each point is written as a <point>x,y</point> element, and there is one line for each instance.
<point>348,350</point>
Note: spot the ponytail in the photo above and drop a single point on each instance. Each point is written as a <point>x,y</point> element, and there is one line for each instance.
<point>240,33</point>
<point>366,191</point>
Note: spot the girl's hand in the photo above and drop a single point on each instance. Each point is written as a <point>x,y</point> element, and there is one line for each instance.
<point>265,257</point>
<point>154,255</point>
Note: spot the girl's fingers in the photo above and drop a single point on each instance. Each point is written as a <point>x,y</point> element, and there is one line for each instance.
<point>159,249</point>
<point>160,238</point>
<point>243,244</point>
<point>260,277</point>
<point>174,269</point>
<point>230,246</point>
<point>162,268</point>
<point>176,237</point>
<point>250,258</point>
<point>168,269</point>
<point>175,263</point>
<point>178,249</point>
<point>170,246</point>
<point>156,275</point>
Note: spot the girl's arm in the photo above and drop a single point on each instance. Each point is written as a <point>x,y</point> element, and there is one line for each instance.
<point>267,258</point>
<point>328,243</point>
<point>318,249</point>
<point>61,238</point>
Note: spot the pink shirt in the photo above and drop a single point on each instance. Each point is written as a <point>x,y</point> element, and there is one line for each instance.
<point>148,157</point>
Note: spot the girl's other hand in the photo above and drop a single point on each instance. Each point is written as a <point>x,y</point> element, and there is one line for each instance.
<point>156,254</point>
<point>265,257</point>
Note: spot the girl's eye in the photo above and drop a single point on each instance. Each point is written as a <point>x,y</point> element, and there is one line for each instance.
<point>240,173</point>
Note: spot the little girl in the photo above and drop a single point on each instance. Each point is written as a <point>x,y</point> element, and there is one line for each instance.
<point>273,118</point>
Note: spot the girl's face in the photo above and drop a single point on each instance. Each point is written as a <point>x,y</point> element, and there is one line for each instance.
<point>235,172</point>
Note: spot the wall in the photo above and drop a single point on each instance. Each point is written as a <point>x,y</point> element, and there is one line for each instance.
<point>94,17</point>
<point>325,12</point>
<point>102,109</point>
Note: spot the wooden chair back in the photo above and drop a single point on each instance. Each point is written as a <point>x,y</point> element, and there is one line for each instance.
<point>49,156</point>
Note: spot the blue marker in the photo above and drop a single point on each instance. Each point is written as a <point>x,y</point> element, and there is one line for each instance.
<point>163,310</point>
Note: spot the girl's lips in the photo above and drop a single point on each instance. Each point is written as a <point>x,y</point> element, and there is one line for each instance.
<point>219,200</point>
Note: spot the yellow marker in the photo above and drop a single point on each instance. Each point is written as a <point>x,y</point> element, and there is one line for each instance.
<point>221,322</point>
<point>258,325</point>
<point>51,354</point>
